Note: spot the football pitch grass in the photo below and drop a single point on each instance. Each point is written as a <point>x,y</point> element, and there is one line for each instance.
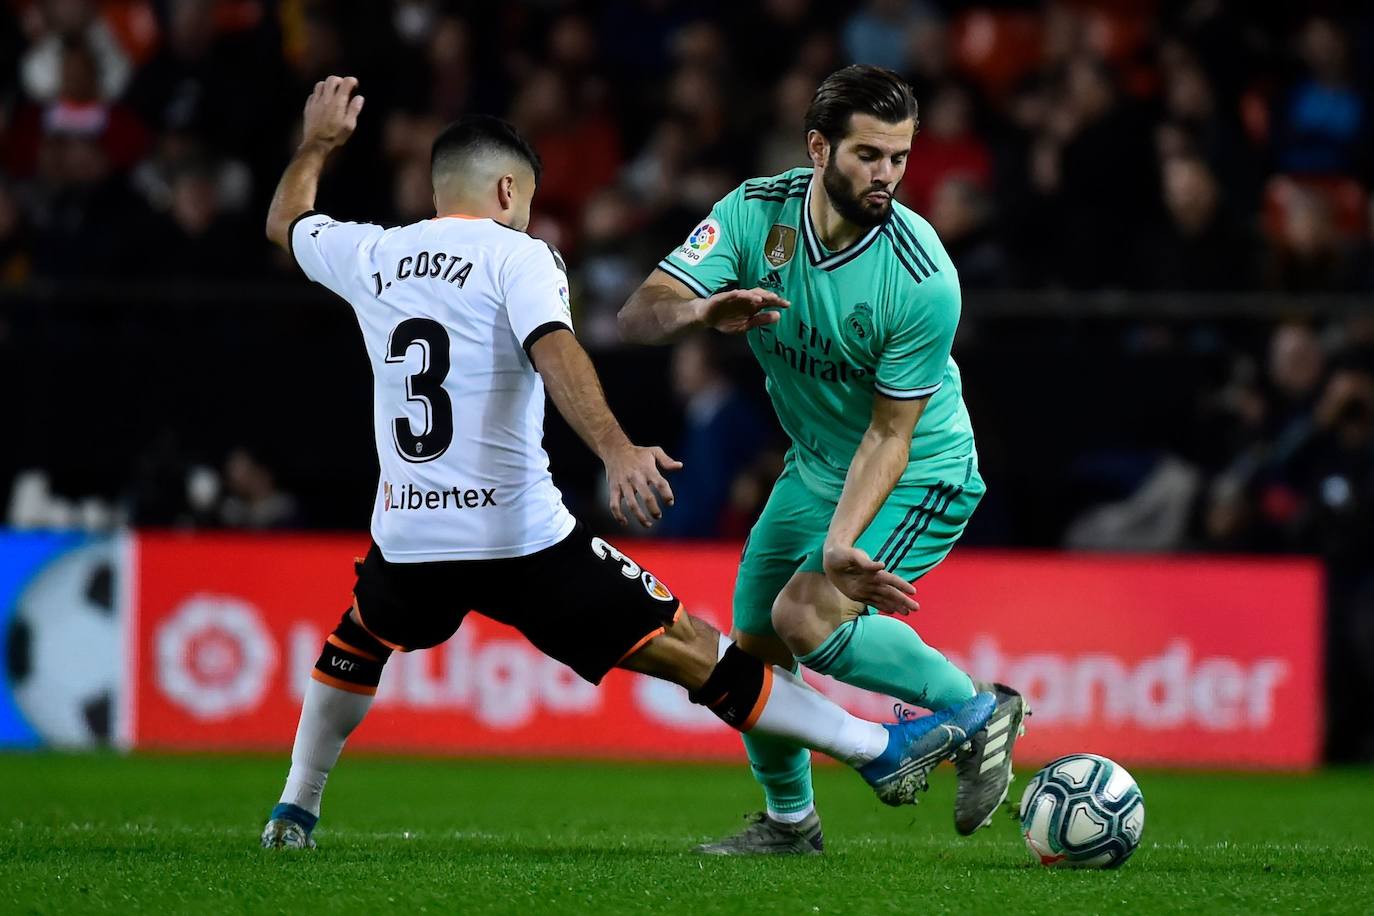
<point>179,834</point>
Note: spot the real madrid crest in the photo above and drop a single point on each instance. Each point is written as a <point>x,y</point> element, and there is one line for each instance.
<point>860,321</point>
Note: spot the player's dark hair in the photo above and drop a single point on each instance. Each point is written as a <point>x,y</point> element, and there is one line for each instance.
<point>859,89</point>
<point>473,135</point>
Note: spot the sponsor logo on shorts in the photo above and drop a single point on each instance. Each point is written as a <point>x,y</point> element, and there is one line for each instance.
<point>700,242</point>
<point>655,588</point>
<point>408,497</point>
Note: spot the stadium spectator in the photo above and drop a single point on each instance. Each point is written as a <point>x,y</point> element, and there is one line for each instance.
<point>612,254</point>
<point>78,209</point>
<point>948,148</point>
<point>788,26</point>
<point>252,497</point>
<point>56,25</point>
<point>961,211</point>
<point>16,263</point>
<point>1309,253</point>
<point>1324,121</point>
<point>577,141</point>
<point>1198,247</point>
<point>1198,122</point>
<point>194,237</point>
<point>644,95</point>
<point>1297,368</point>
<point>450,69</point>
<point>208,84</point>
<point>76,107</point>
<point>783,147</point>
<point>1094,149</point>
<point>723,433</point>
<point>882,32</point>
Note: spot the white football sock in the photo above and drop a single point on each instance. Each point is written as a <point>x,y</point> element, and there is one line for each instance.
<point>799,713</point>
<point>792,817</point>
<point>328,717</point>
<point>794,710</point>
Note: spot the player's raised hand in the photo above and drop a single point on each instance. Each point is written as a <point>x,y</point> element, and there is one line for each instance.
<point>862,578</point>
<point>635,479</point>
<point>735,311</point>
<point>331,111</point>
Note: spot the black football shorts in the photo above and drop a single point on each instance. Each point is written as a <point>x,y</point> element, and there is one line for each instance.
<point>581,601</point>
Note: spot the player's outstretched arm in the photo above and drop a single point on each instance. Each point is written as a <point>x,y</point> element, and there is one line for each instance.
<point>878,464</point>
<point>331,114</point>
<point>663,308</point>
<point>633,473</point>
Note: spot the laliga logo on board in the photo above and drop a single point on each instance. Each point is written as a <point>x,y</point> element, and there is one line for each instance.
<point>1173,688</point>
<point>503,683</point>
<point>1166,689</point>
<point>214,657</point>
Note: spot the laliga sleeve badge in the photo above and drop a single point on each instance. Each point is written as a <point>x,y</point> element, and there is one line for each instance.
<point>699,243</point>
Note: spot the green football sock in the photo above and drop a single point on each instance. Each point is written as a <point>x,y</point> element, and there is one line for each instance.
<point>783,769</point>
<point>885,655</point>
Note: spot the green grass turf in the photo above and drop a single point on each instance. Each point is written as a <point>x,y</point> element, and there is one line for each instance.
<point>179,834</point>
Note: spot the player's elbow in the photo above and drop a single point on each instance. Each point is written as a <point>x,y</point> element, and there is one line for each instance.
<point>276,229</point>
<point>633,318</point>
<point>626,322</point>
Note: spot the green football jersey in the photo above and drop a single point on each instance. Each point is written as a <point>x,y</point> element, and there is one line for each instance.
<point>877,317</point>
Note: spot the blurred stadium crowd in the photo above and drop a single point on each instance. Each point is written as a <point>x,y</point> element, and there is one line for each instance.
<point>1200,146</point>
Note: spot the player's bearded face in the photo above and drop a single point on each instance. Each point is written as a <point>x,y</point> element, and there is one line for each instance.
<point>864,169</point>
<point>861,202</point>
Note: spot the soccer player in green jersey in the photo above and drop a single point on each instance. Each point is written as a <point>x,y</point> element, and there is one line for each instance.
<point>850,303</point>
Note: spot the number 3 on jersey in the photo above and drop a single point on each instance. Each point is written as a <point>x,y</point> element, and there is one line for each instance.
<point>425,387</point>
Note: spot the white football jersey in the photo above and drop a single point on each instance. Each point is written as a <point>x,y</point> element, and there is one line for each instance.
<point>449,308</point>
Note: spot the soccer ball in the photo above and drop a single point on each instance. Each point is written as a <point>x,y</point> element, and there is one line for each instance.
<point>1082,811</point>
<point>63,648</point>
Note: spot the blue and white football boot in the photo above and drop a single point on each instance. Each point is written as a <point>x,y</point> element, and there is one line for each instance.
<point>917,744</point>
<point>289,827</point>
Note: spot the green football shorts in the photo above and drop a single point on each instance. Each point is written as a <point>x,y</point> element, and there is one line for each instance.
<point>913,531</point>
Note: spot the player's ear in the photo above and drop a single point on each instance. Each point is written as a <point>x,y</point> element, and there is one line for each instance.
<point>505,192</point>
<point>818,148</point>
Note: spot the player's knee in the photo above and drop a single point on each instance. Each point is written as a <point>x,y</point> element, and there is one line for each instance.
<point>798,618</point>
<point>352,658</point>
<point>698,649</point>
<point>770,648</point>
<point>684,653</point>
<point>792,616</point>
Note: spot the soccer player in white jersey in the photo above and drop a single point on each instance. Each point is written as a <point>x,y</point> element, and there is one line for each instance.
<point>467,323</point>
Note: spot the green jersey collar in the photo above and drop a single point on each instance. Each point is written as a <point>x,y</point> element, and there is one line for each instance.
<point>816,251</point>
